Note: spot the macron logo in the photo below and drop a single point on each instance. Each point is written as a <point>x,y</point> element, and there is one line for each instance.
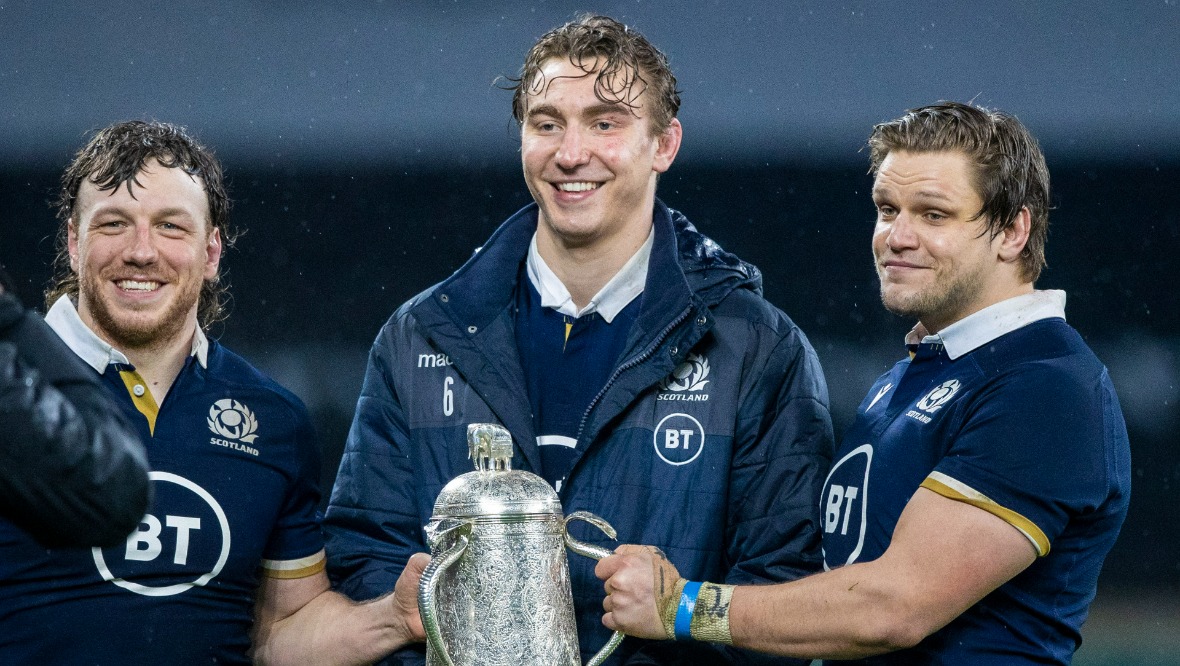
<point>880,394</point>
<point>434,360</point>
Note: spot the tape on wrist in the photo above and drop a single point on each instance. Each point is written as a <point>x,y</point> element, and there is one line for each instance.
<point>684,611</point>
<point>667,605</point>
<point>710,615</point>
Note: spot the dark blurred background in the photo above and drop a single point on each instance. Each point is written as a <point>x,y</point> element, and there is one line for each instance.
<point>369,151</point>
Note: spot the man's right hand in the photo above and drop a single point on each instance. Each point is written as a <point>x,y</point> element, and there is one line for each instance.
<point>642,591</point>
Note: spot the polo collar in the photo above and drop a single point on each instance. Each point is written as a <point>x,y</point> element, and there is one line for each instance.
<point>609,301</point>
<point>980,328</point>
<point>63,318</point>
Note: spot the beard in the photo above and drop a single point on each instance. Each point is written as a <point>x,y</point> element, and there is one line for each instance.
<point>127,329</point>
<point>939,304</point>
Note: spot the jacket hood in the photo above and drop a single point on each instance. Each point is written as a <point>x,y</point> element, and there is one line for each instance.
<point>710,271</point>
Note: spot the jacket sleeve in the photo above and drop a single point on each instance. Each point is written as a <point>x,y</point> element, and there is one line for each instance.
<point>783,448</point>
<point>782,452</point>
<point>372,525</point>
<point>72,469</point>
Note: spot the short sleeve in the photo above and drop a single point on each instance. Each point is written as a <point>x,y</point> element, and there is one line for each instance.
<point>296,546</point>
<point>1031,450</point>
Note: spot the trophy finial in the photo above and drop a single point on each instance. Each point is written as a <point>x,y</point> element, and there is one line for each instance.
<point>489,446</point>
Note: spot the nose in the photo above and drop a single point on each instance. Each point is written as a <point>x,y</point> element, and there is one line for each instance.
<point>572,152</point>
<point>142,249</point>
<point>902,234</point>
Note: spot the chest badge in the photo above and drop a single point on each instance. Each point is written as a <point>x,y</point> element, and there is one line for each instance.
<point>232,420</point>
<point>942,393</point>
<point>687,381</point>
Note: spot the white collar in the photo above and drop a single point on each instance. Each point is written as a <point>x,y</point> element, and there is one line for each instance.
<point>63,318</point>
<point>609,301</point>
<point>975,330</point>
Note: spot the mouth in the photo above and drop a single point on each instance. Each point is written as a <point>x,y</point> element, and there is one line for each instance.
<point>578,186</point>
<point>895,264</point>
<point>141,286</point>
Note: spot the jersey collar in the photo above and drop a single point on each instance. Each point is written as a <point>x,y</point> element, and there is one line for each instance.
<point>63,318</point>
<point>976,330</point>
<point>609,301</point>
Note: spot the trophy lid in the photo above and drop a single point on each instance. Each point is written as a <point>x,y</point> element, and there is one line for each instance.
<point>494,489</point>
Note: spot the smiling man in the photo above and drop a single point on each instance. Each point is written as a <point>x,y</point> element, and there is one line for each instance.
<point>986,476</point>
<point>230,548</point>
<point>634,361</point>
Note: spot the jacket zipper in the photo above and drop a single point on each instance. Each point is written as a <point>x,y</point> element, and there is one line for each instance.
<point>643,356</point>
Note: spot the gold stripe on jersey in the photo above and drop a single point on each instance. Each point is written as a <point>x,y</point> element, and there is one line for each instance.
<point>300,568</point>
<point>145,403</point>
<point>956,490</point>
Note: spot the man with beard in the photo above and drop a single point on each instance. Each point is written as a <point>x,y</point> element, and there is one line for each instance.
<point>986,476</point>
<point>636,364</point>
<point>230,549</point>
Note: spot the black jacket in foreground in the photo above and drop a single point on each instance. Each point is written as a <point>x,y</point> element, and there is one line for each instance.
<point>72,469</point>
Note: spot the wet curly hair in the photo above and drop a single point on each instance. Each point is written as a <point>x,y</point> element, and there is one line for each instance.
<point>114,157</point>
<point>627,66</point>
<point>1010,171</point>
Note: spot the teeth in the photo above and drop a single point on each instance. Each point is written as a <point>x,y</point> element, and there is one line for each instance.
<point>134,285</point>
<point>577,187</point>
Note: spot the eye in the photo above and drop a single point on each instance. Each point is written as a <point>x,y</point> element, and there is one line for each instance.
<point>604,125</point>
<point>111,225</point>
<point>173,228</point>
<point>885,211</point>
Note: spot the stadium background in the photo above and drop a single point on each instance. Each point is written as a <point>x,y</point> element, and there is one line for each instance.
<point>369,151</point>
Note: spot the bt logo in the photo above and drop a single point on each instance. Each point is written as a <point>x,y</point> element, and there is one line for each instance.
<point>186,546</point>
<point>839,496</point>
<point>844,507</point>
<point>678,439</point>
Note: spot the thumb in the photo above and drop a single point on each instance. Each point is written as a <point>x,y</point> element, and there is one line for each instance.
<point>417,563</point>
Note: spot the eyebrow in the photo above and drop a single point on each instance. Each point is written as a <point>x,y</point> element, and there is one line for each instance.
<point>924,195</point>
<point>932,194</point>
<point>590,111</point>
<point>164,212</point>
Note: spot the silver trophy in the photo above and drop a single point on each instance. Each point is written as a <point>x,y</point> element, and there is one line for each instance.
<point>497,591</point>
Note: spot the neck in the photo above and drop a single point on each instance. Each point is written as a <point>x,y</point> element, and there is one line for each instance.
<point>1010,290</point>
<point>160,365</point>
<point>158,360</point>
<point>585,269</point>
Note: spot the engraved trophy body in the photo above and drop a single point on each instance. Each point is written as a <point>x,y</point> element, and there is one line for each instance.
<point>497,592</point>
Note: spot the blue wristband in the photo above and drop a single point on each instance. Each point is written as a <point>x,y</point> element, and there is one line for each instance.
<point>688,601</point>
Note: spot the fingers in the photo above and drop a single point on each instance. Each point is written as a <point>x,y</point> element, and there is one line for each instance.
<point>405,599</point>
<point>629,548</point>
<point>628,579</point>
<point>628,555</point>
<point>608,621</point>
<point>418,563</point>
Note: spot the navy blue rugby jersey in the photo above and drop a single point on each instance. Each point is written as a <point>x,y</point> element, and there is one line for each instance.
<point>1019,419</point>
<point>235,472</point>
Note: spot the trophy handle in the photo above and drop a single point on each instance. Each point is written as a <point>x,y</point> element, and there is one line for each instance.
<point>596,552</point>
<point>428,587</point>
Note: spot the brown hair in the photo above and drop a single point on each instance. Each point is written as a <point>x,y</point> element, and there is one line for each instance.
<point>624,57</point>
<point>114,157</point>
<point>1010,171</point>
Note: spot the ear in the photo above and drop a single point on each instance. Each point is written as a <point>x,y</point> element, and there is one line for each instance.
<point>72,244</point>
<point>668,144</point>
<point>1013,239</point>
<point>212,254</point>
